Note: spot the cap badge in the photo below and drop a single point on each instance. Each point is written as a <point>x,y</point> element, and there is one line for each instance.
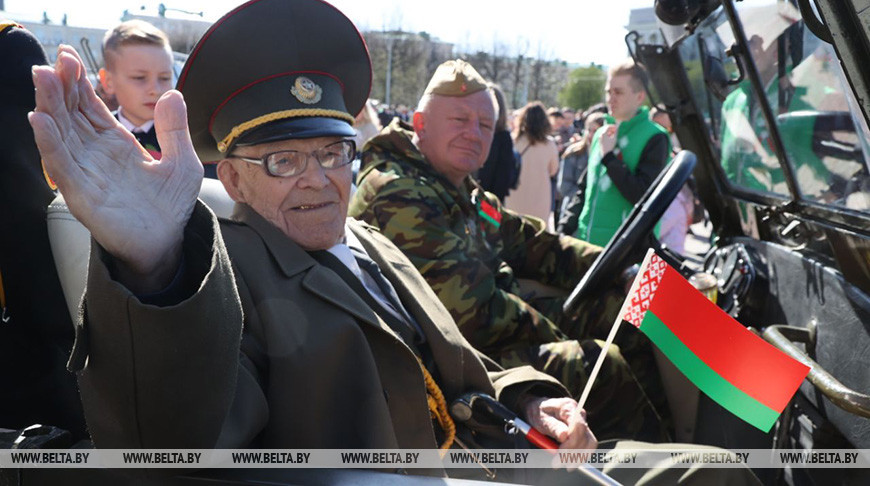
<point>306,90</point>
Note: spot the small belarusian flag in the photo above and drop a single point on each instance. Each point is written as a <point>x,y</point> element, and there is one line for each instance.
<point>733,366</point>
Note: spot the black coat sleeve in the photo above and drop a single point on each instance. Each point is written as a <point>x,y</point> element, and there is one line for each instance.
<point>633,185</point>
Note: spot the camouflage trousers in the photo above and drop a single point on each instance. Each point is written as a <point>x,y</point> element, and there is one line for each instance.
<point>627,400</point>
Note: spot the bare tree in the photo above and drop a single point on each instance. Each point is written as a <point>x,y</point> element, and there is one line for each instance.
<point>410,59</point>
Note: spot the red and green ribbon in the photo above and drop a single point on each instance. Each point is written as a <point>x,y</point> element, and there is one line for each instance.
<point>488,213</point>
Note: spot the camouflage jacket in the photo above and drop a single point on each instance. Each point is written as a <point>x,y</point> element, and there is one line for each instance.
<point>469,248</point>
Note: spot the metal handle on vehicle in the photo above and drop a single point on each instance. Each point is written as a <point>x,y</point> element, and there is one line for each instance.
<point>842,396</point>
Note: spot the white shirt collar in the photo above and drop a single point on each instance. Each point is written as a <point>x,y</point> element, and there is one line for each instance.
<point>144,128</point>
<point>343,253</point>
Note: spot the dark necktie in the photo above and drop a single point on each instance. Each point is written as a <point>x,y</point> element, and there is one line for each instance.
<point>389,292</point>
<point>399,325</point>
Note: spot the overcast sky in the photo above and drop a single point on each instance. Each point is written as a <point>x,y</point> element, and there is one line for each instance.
<point>575,31</point>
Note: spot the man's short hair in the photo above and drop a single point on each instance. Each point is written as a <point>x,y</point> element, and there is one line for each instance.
<point>656,111</point>
<point>131,33</point>
<point>596,108</point>
<point>555,112</point>
<point>636,73</point>
<point>423,104</point>
<point>594,118</point>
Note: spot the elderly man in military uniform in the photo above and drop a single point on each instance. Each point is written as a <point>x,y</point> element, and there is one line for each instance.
<point>271,328</point>
<point>415,185</point>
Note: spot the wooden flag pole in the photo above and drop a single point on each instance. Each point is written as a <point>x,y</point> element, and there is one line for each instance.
<point>595,369</point>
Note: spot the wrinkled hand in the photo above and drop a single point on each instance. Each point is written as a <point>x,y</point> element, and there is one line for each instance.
<point>608,139</point>
<point>560,419</point>
<point>134,206</point>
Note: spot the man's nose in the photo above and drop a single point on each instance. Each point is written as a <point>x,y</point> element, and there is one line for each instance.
<point>314,175</point>
<point>474,131</point>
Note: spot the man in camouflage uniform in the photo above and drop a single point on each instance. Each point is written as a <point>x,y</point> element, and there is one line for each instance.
<point>415,185</point>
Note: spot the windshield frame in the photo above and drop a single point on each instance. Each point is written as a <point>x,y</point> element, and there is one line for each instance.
<point>827,215</point>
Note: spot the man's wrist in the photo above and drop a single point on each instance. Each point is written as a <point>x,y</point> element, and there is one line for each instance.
<point>525,401</point>
<point>156,279</point>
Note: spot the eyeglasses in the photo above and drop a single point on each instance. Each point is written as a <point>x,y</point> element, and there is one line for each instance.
<point>288,163</point>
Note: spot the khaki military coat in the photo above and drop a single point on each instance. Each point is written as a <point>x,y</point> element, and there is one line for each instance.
<point>312,367</point>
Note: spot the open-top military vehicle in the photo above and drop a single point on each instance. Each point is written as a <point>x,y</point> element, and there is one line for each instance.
<point>772,98</point>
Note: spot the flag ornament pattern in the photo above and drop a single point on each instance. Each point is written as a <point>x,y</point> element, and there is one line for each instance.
<point>647,282</point>
<point>730,364</point>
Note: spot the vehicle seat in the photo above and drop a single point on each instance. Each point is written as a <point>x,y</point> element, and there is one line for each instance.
<point>71,241</point>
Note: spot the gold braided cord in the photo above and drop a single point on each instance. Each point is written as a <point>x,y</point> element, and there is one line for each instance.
<point>238,130</point>
<point>438,409</point>
<point>5,24</point>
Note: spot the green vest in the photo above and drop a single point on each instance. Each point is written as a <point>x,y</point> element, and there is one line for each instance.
<point>605,208</point>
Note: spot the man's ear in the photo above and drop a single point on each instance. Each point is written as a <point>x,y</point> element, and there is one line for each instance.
<point>231,179</point>
<point>105,81</point>
<point>417,123</point>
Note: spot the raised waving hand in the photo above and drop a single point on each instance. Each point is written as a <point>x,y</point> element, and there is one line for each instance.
<point>134,206</point>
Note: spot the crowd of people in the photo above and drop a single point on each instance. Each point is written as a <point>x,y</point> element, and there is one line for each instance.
<point>544,182</point>
<point>538,159</point>
<point>253,330</point>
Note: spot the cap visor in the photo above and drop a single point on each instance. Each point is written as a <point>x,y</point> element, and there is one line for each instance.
<point>293,128</point>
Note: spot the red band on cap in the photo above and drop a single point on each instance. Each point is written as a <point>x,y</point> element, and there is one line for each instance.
<point>262,80</point>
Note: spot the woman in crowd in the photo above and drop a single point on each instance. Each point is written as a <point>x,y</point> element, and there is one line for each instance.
<point>540,163</point>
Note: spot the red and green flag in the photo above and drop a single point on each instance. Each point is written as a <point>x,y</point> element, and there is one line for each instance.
<point>733,366</point>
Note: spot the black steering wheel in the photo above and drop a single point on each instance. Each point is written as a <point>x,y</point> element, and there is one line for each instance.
<point>634,229</point>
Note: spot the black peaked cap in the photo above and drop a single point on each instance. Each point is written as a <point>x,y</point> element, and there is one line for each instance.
<point>274,70</point>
